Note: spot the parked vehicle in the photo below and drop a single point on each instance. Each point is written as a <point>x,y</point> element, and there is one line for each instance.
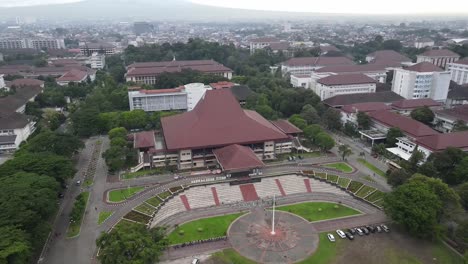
<point>341,233</point>
<point>379,229</point>
<point>195,261</point>
<point>365,230</point>
<point>331,237</point>
<point>371,228</point>
<point>352,231</point>
<point>359,231</point>
<point>300,157</point>
<point>78,183</point>
<point>349,236</point>
<point>385,228</point>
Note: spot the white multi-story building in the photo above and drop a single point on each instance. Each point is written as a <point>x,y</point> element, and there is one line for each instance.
<point>303,81</point>
<point>423,43</point>
<point>32,43</point>
<point>344,84</point>
<point>2,82</point>
<point>446,119</point>
<point>438,57</point>
<point>459,71</point>
<point>13,44</point>
<point>181,98</point>
<point>261,43</point>
<point>97,61</point>
<point>306,65</point>
<point>87,49</point>
<point>422,80</point>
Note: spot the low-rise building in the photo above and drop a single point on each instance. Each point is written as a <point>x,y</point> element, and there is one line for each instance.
<point>306,65</point>
<point>349,112</point>
<point>406,106</point>
<point>422,80</point>
<point>97,61</point>
<point>301,80</point>
<point>446,119</point>
<point>457,95</point>
<point>387,58</point>
<point>423,43</point>
<point>148,72</point>
<point>75,76</point>
<point>339,101</point>
<point>88,48</point>
<point>439,58</point>
<point>344,84</point>
<point>261,43</point>
<point>459,71</point>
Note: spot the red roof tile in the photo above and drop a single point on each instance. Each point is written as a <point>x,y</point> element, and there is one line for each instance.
<point>365,107</point>
<point>424,67</point>
<point>342,79</point>
<point>407,125</point>
<point>217,120</point>
<point>415,103</point>
<point>440,142</point>
<point>286,126</point>
<point>237,157</point>
<point>440,53</point>
<point>456,113</point>
<point>382,56</point>
<point>27,82</point>
<point>222,85</point>
<point>462,61</point>
<point>318,61</point>
<point>144,139</point>
<point>73,76</point>
<point>353,68</point>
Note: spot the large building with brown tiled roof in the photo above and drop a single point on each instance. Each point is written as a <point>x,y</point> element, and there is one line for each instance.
<point>344,84</point>
<point>306,65</point>
<point>446,119</point>
<point>439,58</point>
<point>459,71</point>
<point>387,57</point>
<point>148,72</point>
<point>339,101</point>
<point>188,139</point>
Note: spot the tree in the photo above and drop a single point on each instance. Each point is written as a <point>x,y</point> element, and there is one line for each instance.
<point>459,125</point>
<point>463,193</point>
<point>298,121</point>
<point>311,132</point>
<point>379,149</point>
<point>392,135</point>
<point>445,163</point>
<point>131,243</point>
<point>55,142</point>
<point>345,151</point>
<point>324,141</point>
<point>15,246</point>
<point>460,174</point>
<point>363,120</point>
<point>332,119</point>
<point>415,207</point>
<point>134,119</point>
<point>310,115</point>
<point>350,129</point>
<point>118,132</point>
<point>423,114</point>
<point>416,158</point>
<point>398,177</point>
<point>392,44</point>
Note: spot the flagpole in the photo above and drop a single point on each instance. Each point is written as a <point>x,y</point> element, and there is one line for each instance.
<point>273,222</point>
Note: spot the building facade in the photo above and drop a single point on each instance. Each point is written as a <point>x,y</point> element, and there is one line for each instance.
<point>33,43</point>
<point>438,57</point>
<point>261,43</point>
<point>97,61</point>
<point>422,80</point>
<point>445,120</point>
<point>306,65</point>
<point>459,71</point>
<point>344,84</point>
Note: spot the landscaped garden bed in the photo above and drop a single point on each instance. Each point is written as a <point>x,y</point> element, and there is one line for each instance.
<point>154,201</point>
<point>375,196</point>
<point>165,195</point>
<point>332,178</point>
<point>137,217</point>
<point>121,195</point>
<point>175,189</point>
<point>343,182</point>
<point>354,186</point>
<point>145,209</point>
<point>340,166</point>
<point>364,191</point>
<point>321,175</point>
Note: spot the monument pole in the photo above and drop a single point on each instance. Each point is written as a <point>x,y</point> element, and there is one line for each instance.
<point>273,221</point>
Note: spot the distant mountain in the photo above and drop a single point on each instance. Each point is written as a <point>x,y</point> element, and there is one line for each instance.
<point>145,9</point>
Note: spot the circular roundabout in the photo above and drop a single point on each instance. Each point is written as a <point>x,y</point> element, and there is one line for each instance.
<point>293,239</point>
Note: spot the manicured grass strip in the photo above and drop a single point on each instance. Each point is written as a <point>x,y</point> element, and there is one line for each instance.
<point>79,208</point>
<point>121,195</point>
<point>375,196</point>
<point>316,211</point>
<point>332,178</point>
<point>445,255</point>
<point>164,195</point>
<point>372,167</point>
<point>88,183</point>
<point>230,256</point>
<point>142,173</point>
<point>379,203</point>
<point>341,166</point>
<point>144,208</point>
<point>364,191</point>
<point>321,175</point>
<point>202,229</point>
<point>354,186</point>
<point>154,201</point>
<point>124,222</point>
<point>326,251</point>
<point>103,216</point>
<point>343,182</point>
<point>137,217</point>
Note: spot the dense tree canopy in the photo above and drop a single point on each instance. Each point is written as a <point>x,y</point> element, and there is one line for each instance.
<point>363,120</point>
<point>55,142</point>
<point>423,114</point>
<point>392,135</point>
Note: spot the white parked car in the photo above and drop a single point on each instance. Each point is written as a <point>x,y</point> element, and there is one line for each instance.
<point>341,233</point>
<point>195,261</point>
<point>331,237</point>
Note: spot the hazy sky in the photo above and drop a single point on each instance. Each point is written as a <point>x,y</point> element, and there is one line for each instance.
<point>347,6</point>
<point>13,3</point>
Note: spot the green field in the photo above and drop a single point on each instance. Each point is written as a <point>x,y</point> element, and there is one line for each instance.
<point>103,216</point>
<point>364,191</point>
<point>229,256</point>
<point>341,166</point>
<point>372,167</point>
<point>317,211</point>
<point>326,251</point>
<point>202,229</point>
<point>75,227</point>
<point>343,182</point>
<point>121,195</point>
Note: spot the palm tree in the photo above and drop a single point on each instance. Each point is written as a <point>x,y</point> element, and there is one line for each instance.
<point>345,151</point>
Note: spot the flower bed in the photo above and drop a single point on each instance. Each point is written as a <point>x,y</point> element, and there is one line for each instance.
<point>175,189</point>
<point>137,217</point>
<point>154,201</point>
<point>145,209</point>
<point>364,191</point>
<point>375,196</point>
<point>332,178</point>
<point>354,186</point>
<point>343,182</point>
<point>165,195</point>
<point>321,175</point>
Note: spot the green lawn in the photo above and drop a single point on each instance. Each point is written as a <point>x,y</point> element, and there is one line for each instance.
<point>375,196</point>
<point>164,195</point>
<point>202,229</point>
<point>354,186</point>
<point>364,191</point>
<point>145,209</point>
<point>121,195</point>
<point>154,201</point>
<point>124,222</point>
<point>332,178</point>
<point>372,167</point>
<point>230,256</point>
<point>142,173</point>
<point>88,183</point>
<point>369,178</point>
<point>379,203</point>
<point>311,210</point>
<point>103,216</point>
<point>75,227</point>
<point>445,255</point>
<point>341,166</point>
<point>326,250</point>
<point>343,182</point>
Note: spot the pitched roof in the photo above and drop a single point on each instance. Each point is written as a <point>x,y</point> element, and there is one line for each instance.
<point>318,61</point>
<point>407,125</point>
<point>388,55</point>
<point>14,120</point>
<point>217,120</point>
<point>145,68</point>
<point>424,67</point>
<point>279,46</point>
<point>353,68</point>
<point>237,157</point>
<point>415,103</point>
<point>144,139</point>
<point>22,95</point>
<point>344,79</point>
<point>26,82</point>
<point>440,142</point>
<point>366,107</point>
<point>463,61</point>
<point>439,53</point>
<point>346,99</point>
<point>73,76</point>
<point>457,91</point>
<point>221,85</point>
<point>286,126</point>
<point>456,113</point>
